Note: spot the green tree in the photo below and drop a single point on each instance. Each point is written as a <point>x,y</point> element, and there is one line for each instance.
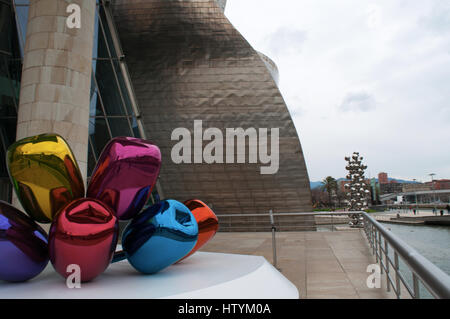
<point>329,184</point>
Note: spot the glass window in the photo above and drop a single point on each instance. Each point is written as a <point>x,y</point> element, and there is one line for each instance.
<point>108,88</point>
<point>8,94</point>
<point>22,20</point>
<point>7,137</point>
<point>104,24</point>
<point>135,128</point>
<point>5,28</point>
<point>123,88</point>
<point>102,48</point>
<point>119,126</point>
<point>95,104</point>
<point>95,44</point>
<point>99,134</point>
<point>91,160</point>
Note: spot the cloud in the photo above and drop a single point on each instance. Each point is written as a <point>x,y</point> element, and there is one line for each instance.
<point>438,20</point>
<point>358,102</point>
<point>373,16</point>
<point>286,40</point>
<point>369,63</point>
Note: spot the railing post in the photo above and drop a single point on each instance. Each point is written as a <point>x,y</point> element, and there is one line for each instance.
<point>397,279</point>
<point>371,235</point>
<point>375,248</point>
<point>386,261</point>
<point>380,252</point>
<point>274,242</point>
<point>416,286</point>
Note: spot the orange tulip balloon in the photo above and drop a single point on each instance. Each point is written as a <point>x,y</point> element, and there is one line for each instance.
<point>207,221</point>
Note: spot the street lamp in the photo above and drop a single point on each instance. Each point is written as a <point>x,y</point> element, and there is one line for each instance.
<point>415,194</point>
<point>434,191</point>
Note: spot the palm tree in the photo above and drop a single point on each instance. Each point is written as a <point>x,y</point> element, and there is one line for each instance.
<point>329,184</point>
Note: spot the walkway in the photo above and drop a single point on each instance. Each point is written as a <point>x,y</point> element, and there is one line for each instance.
<point>320,264</point>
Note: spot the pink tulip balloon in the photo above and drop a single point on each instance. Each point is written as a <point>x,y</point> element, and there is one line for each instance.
<point>125,175</point>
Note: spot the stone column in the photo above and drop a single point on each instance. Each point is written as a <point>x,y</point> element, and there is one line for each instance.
<point>56,74</point>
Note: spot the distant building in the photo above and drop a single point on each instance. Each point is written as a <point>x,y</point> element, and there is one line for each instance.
<point>439,184</point>
<point>415,187</point>
<point>391,188</point>
<point>383,178</point>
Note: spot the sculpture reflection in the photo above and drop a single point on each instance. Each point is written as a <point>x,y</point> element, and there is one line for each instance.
<point>45,175</point>
<point>23,245</point>
<point>84,233</point>
<point>125,175</point>
<point>207,221</point>
<point>159,236</point>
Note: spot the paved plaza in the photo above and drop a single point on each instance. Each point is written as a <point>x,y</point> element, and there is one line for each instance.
<point>320,264</point>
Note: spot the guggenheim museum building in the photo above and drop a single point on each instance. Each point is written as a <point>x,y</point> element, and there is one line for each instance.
<point>93,70</point>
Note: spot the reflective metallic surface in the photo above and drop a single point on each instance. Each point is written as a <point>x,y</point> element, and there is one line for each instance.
<point>187,62</point>
<point>45,175</point>
<point>207,221</point>
<point>23,245</point>
<point>84,233</point>
<point>159,236</point>
<point>125,175</point>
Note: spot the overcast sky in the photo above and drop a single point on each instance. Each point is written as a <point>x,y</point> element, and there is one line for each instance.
<point>376,70</point>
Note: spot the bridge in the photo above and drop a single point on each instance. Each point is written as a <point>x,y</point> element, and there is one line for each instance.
<point>423,197</point>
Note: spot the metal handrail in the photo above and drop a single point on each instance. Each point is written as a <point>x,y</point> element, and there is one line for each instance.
<point>436,281</point>
<point>287,214</point>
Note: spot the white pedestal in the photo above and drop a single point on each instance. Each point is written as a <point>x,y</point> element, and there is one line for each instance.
<point>203,275</point>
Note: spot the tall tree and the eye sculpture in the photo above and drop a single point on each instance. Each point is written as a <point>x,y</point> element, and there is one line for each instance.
<point>358,190</point>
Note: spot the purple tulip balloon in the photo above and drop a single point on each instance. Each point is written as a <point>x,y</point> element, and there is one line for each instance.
<point>125,175</point>
<point>23,245</point>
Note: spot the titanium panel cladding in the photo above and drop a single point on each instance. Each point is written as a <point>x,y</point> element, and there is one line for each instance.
<point>187,62</point>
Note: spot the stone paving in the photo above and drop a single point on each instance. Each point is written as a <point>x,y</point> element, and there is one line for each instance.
<point>320,264</point>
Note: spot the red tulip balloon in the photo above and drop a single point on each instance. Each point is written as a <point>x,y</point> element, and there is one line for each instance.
<point>83,233</point>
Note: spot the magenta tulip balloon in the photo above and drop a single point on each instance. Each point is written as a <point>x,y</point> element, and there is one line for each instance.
<point>125,175</point>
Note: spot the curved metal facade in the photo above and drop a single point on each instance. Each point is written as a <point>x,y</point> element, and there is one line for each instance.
<point>187,62</point>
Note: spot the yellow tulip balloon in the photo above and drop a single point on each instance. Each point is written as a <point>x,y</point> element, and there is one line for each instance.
<point>45,175</point>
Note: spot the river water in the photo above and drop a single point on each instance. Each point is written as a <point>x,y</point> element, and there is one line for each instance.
<point>432,242</point>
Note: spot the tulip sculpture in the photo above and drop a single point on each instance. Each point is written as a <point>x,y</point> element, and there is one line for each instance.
<point>84,230</point>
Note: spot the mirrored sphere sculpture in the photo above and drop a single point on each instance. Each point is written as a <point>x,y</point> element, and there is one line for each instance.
<point>45,175</point>
<point>159,236</point>
<point>23,245</point>
<point>83,233</point>
<point>125,175</point>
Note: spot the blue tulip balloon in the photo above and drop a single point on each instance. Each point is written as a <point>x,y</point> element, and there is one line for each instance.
<point>159,236</point>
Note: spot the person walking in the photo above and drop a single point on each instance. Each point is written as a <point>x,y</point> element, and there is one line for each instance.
<point>448,209</point>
